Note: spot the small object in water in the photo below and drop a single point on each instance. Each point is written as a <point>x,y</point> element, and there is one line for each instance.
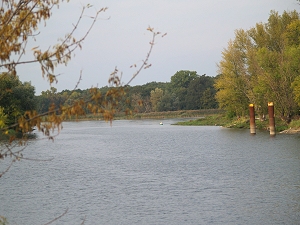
<point>161,123</point>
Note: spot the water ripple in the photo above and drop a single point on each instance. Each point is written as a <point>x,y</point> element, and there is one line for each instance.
<point>138,172</point>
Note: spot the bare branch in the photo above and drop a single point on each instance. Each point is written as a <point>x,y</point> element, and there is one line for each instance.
<point>82,223</point>
<point>147,56</point>
<point>5,171</point>
<point>57,218</point>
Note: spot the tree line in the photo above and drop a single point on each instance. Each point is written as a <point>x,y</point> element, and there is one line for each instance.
<point>259,65</point>
<point>186,91</point>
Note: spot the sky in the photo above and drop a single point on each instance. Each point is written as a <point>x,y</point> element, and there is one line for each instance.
<point>197,33</point>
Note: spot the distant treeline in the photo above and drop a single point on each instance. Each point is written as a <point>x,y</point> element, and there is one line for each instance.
<point>260,65</point>
<point>186,91</point>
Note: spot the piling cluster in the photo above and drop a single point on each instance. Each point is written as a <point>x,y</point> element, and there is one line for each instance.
<point>271,119</point>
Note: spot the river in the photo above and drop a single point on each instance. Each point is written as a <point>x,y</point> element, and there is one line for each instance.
<point>141,172</point>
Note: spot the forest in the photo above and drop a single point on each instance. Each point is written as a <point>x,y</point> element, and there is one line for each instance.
<point>186,91</point>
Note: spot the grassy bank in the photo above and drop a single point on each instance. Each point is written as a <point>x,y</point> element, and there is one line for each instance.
<point>243,122</point>
<point>210,120</point>
<point>206,117</point>
<point>156,115</point>
<point>175,114</point>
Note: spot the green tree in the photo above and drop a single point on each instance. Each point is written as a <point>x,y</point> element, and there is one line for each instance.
<point>16,97</point>
<point>3,118</point>
<point>208,100</point>
<point>260,65</point>
<point>233,83</point>
<point>200,93</point>
<point>155,98</point>
<point>179,84</point>
<point>51,97</point>
<point>167,101</point>
<point>278,59</point>
<point>296,89</point>
<point>292,34</point>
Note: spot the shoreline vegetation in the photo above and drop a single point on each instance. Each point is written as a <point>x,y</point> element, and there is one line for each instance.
<point>154,115</point>
<point>205,117</point>
<point>243,123</point>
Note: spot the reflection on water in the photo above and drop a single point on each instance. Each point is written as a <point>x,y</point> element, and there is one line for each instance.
<point>141,172</point>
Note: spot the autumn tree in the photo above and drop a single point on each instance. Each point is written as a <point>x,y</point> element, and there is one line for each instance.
<point>262,65</point>
<point>3,118</point>
<point>137,103</point>
<point>233,82</point>
<point>19,24</point>
<point>278,59</point>
<point>155,98</point>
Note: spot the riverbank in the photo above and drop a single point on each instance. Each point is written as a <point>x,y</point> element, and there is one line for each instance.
<point>204,117</point>
<point>243,122</point>
<point>154,115</point>
<point>175,114</point>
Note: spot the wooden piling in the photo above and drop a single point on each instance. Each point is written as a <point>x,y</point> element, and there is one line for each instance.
<point>271,118</point>
<point>252,119</point>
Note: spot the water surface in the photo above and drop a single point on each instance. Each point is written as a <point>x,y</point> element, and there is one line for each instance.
<point>140,172</point>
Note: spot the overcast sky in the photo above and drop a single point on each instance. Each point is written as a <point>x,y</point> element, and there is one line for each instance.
<point>197,32</point>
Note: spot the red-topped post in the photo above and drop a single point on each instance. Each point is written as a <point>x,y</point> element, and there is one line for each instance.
<point>252,119</point>
<point>271,118</point>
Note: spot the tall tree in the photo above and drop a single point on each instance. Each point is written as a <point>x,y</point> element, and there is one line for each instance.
<point>167,101</point>
<point>155,98</point>
<point>276,58</point>
<point>260,65</point>
<point>233,83</point>
<point>3,118</point>
<point>179,84</point>
<point>200,93</point>
<point>15,97</point>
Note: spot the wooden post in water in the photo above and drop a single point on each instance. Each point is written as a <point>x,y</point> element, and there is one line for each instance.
<point>271,118</point>
<point>252,119</point>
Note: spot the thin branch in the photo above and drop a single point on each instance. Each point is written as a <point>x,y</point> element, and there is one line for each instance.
<point>9,150</point>
<point>73,45</point>
<point>144,65</point>
<point>21,22</point>
<point>76,86</point>
<point>5,171</point>
<point>57,217</point>
<point>82,223</point>
<point>145,61</point>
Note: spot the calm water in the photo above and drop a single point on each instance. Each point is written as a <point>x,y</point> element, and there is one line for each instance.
<point>139,172</point>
